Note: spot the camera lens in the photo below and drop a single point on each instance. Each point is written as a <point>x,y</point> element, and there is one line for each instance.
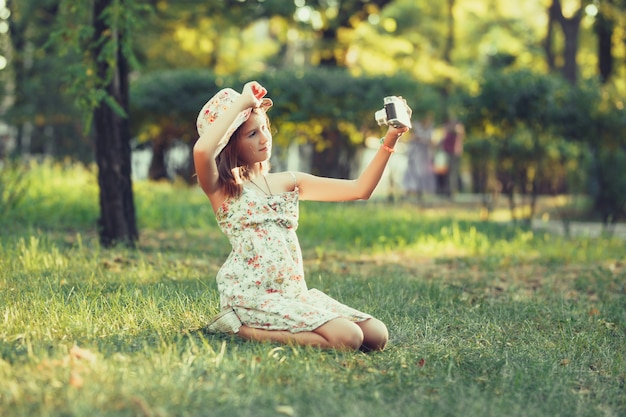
<point>391,111</point>
<point>381,117</point>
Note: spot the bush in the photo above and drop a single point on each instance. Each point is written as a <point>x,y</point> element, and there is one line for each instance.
<point>329,108</point>
<point>607,184</point>
<point>13,187</point>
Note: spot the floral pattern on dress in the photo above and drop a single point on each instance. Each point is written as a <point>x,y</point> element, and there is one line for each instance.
<point>263,277</point>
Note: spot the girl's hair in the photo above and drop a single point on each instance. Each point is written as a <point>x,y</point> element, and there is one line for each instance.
<point>231,170</point>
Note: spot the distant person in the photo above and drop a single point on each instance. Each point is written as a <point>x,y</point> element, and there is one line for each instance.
<point>263,293</point>
<point>419,178</point>
<point>452,145</point>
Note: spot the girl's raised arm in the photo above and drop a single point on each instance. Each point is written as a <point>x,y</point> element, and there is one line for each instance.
<point>214,124</point>
<point>331,189</point>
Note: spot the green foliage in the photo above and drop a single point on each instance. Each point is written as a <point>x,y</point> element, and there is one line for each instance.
<point>541,129</point>
<point>74,34</point>
<point>169,101</point>
<point>509,98</point>
<point>573,112</point>
<point>31,85</point>
<point>180,92</point>
<point>517,148</point>
<point>327,107</point>
<point>607,184</point>
<point>512,106</point>
<point>331,96</point>
<point>594,117</point>
<point>326,97</point>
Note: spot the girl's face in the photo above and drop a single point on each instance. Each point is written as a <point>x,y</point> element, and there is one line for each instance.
<point>254,143</point>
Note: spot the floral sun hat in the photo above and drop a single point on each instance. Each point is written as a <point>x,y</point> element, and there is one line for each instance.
<point>218,104</point>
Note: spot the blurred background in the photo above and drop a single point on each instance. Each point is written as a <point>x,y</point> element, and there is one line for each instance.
<point>537,85</point>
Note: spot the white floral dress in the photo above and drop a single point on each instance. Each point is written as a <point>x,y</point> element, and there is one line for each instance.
<point>263,278</point>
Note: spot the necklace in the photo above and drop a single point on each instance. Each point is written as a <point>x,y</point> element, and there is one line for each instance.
<point>268,192</point>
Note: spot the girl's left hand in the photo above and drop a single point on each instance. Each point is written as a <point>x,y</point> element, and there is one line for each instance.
<point>399,131</point>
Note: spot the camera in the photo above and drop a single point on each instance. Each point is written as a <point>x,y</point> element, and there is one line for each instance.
<point>393,113</point>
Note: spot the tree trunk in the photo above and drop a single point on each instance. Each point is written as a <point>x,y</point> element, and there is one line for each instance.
<point>327,48</point>
<point>158,169</point>
<point>570,27</point>
<point>449,45</point>
<point>334,160</point>
<point>447,54</point>
<point>22,51</point>
<point>117,223</point>
<point>604,29</point>
<point>550,59</point>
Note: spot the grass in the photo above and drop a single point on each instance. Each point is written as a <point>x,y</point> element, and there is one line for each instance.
<point>486,319</point>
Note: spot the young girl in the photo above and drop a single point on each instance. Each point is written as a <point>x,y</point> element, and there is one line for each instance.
<point>263,294</point>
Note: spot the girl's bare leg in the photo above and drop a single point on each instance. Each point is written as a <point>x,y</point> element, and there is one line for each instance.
<point>339,333</point>
<point>375,334</point>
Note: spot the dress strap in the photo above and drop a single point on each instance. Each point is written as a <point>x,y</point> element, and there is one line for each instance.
<point>295,180</point>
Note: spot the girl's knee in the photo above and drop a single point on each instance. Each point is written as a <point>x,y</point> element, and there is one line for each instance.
<point>351,338</point>
<point>375,334</point>
<point>342,334</point>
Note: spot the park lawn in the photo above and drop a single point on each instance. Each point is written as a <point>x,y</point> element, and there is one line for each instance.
<point>486,319</point>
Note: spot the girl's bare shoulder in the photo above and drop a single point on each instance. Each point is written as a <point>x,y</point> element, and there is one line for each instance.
<point>283,181</point>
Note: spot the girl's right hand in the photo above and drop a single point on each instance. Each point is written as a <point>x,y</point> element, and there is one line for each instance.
<point>254,91</point>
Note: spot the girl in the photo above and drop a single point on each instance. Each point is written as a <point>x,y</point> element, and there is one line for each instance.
<point>263,294</point>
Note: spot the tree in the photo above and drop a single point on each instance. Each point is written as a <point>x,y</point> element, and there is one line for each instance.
<point>164,105</point>
<point>45,125</point>
<point>513,110</point>
<point>570,27</point>
<point>111,128</point>
<point>192,36</point>
<point>25,40</point>
<point>228,18</point>
<point>335,16</point>
<point>100,84</point>
<point>609,21</point>
<point>207,34</point>
<point>592,115</point>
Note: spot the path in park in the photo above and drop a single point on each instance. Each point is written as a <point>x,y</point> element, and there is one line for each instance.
<point>588,229</point>
<point>544,219</point>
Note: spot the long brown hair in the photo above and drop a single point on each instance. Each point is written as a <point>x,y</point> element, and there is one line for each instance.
<point>232,172</point>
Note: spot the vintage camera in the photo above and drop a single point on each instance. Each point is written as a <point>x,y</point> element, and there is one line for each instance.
<point>394,113</point>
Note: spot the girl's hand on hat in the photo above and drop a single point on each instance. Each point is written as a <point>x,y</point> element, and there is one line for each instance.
<point>255,90</point>
<point>258,90</point>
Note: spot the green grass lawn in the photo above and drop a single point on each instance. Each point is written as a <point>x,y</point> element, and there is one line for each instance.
<point>486,319</point>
